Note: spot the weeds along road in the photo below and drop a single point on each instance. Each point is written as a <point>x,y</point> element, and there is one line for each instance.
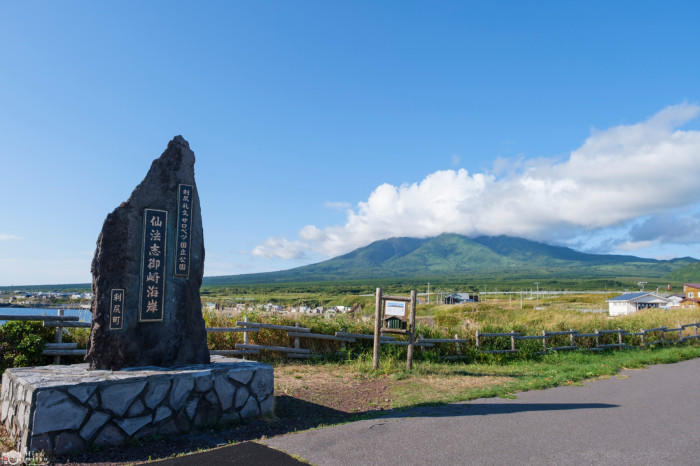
<point>645,416</point>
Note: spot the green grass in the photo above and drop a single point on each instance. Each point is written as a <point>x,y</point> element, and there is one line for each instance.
<point>549,371</point>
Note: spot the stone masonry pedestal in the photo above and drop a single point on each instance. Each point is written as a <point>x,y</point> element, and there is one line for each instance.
<point>61,409</point>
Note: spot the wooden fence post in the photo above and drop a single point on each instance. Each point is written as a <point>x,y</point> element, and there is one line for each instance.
<point>512,340</point>
<point>680,332</point>
<point>411,331</point>
<point>59,338</point>
<point>476,338</point>
<point>641,330</point>
<point>342,343</point>
<point>297,342</point>
<point>571,337</point>
<point>377,327</point>
<point>619,337</point>
<point>544,340</point>
<point>457,345</point>
<point>597,335</point>
<point>245,338</point>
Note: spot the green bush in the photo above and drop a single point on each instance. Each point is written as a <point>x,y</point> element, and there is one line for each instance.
<point>21,344</point>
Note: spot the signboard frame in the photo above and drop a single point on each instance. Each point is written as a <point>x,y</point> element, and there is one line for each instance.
<point>188,229</point>
<point>161,268</point>
<point>410,317</point>
<point>112,292</point>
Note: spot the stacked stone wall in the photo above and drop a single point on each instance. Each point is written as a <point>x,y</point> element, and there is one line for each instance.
<point>61,409</point>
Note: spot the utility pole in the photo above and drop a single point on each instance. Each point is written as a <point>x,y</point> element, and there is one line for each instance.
<point>537,295</point>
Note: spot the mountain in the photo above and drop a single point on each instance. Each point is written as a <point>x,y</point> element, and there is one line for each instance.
<point>452,255</point>
<point>688,274</point>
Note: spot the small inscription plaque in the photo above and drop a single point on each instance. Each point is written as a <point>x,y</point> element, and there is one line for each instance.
<point>116,309</point>
<point>155,227</point>
<point>184,229</point>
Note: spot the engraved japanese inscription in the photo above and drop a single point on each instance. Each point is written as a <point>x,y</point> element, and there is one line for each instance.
<point>184,238</point>
<point>116,309</point>
<point>153,259</point>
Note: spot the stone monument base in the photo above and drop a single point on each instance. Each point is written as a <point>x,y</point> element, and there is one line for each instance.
<point>61,409</point>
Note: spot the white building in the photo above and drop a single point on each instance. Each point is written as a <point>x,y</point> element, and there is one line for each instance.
<point>632,302</point>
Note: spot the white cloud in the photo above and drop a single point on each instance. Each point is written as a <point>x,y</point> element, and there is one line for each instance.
<point>4,237</point>
<point>634,245</point>
<point>337,205</point>
<point>280,247</point>
<point>669,228</point>
<point>617,175</point>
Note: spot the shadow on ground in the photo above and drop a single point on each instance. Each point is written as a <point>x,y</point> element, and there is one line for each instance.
<point>294,414</point>
<point>486,409</point>
<point>291,414</point>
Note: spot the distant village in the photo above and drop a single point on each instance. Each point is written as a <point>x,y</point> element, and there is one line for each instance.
<point>624,304</point>
<point>628,303</point>
<point>43,298</point>
<point>328,311</point>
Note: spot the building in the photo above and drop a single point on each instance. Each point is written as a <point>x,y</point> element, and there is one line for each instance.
<point>458,298</point>
<point>632,302</point>
<point>674,300</point>
<point>691,292</point>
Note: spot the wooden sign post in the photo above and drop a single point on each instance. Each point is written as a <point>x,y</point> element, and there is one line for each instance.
<point>377,327</point>
<point>397,308</point>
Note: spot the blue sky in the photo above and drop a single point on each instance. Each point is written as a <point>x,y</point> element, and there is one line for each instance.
<point>322,126</point>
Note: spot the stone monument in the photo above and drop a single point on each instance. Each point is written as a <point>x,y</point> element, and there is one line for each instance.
<point>147,272</point>
<point>148,371</point>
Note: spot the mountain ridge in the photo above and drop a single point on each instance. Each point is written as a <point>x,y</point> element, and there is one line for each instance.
<point>451,255</point>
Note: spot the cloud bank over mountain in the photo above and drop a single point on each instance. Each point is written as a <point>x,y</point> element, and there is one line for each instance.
<point>626,173</point>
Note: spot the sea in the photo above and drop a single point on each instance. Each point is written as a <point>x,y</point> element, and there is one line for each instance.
<point>85,315</point>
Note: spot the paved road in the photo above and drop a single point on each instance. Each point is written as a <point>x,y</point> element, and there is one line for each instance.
<point>648,416</point>
<point>240,454</point>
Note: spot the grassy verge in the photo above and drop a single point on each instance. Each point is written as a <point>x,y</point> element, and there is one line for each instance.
<point>432,382</point>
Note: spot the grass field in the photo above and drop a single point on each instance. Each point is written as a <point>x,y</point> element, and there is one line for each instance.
<point>495,313</point>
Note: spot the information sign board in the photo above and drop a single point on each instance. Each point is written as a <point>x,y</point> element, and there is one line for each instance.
<point>395,308</point>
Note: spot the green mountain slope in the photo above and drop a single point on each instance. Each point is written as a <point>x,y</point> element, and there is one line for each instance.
<point>688,274</point>
<point>452,255</point>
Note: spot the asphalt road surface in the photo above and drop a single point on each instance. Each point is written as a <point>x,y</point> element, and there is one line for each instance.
<point>646,416</point>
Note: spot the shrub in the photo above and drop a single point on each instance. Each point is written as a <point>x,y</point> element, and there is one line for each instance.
<point>21,344</point>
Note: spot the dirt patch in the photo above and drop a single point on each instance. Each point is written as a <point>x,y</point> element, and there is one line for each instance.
<point>335,387</point>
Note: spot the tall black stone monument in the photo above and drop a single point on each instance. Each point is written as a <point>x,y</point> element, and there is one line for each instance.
<point>147,272</point>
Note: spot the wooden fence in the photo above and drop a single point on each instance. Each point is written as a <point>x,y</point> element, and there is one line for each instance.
<point>646,337</point>
<point>651,336</point>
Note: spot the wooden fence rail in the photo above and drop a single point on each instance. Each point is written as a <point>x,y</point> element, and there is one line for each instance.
<point>58,348</point>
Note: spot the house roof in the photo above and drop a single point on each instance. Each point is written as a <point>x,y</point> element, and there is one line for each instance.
<point>692,285</point>
<point>628,296</point>
<point>639,297</point>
